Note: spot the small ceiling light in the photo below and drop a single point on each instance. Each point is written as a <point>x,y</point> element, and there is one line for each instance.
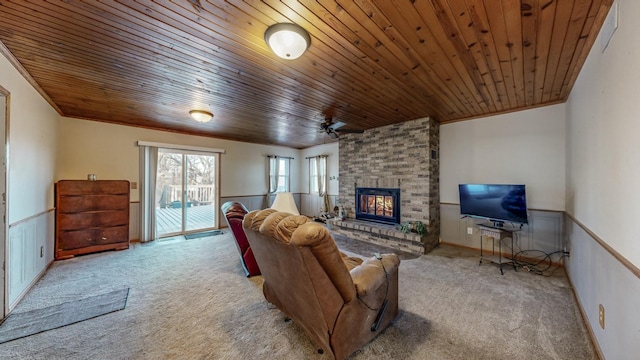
<point>288,41</point>
<point>201,115</point>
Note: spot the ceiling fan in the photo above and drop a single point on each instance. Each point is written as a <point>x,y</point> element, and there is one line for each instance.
<point>332,128</point>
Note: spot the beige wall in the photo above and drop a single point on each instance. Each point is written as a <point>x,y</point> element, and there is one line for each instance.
<point>603,173</point>
<point>33,140</point>
<point>33,133</point>
<point>110,152</point>
<point>603,147</point>
<point>524,147</point>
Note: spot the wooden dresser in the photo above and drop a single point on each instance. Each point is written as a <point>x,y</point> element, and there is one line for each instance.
<point>91,216</point>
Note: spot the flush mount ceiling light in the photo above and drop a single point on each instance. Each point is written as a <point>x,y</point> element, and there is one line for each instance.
<point>201,115</point>
<point>288,41</point>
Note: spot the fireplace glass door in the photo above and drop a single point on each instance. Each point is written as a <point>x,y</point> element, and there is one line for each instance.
<point>378,204</point>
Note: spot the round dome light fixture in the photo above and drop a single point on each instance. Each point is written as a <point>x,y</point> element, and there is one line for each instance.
<point>202,116</point>
<point>287,40</point>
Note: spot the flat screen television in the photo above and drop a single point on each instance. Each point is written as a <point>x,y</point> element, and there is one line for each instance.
<point>495,202</point>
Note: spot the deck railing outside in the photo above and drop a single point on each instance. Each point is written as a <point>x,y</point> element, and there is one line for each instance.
<point>196,195</point>
<point>200,212</point>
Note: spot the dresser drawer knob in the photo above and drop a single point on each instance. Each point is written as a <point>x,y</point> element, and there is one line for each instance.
<point>104,238</point>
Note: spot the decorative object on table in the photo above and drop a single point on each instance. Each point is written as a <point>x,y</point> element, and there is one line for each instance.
<point>91,177</point>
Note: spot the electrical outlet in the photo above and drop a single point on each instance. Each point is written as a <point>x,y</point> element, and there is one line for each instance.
<point>470,231</point>
<point>134,185</point>
<point>601,316</point>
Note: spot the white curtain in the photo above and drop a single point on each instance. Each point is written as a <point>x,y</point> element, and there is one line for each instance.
<point>148,171</point>
<point>273,173</point>
<point>321,170</point>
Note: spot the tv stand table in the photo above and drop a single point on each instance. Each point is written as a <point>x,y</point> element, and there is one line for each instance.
<point>499,234</point>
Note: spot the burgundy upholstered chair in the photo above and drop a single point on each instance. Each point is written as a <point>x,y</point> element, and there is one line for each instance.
<point>234,212</point>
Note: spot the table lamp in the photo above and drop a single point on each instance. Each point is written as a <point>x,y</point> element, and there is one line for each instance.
<point>284,202</point>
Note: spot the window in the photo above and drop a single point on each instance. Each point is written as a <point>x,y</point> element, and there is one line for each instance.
<point>279,174</point>
<point>313,175</point>
<point>318,174</point>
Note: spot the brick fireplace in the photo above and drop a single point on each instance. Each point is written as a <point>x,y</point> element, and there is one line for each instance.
<point>401,156</point>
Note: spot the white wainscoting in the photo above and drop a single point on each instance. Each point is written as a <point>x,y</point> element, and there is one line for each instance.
<point>602,276</point>
<point>256,202</point>
<point>311,204</point>
<point>308,204</point>
<point>253,202</point>
<point>544,231</point>
<point>134,221</point>
<point>30,251</point>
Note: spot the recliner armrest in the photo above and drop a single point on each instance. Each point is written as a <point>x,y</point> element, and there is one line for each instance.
<point>368,276</point>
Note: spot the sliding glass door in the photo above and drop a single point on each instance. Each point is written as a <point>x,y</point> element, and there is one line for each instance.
<point>186,192</point>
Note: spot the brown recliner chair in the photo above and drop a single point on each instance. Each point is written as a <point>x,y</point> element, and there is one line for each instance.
<point>234,213</point>
<point>337,300</point>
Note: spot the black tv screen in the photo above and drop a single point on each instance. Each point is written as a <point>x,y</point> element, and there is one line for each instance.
<point>497,202</point>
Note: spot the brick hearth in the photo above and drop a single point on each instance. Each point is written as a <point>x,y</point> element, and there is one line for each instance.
<point>380,234</point>
<point>404,156</point>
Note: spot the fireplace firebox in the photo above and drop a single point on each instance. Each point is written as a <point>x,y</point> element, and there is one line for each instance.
<point>378,204</point>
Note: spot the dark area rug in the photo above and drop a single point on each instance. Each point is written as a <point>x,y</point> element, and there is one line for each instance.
<point>203,234</point>
<point>19,325</point>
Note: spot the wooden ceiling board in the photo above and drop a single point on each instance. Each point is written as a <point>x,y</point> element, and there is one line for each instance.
<point>390,60</point>
<point>455,28</point>
<point>578,18</point>
<point>530,44</point>
<point>331,76</point>
<point>371,63</point>
<point>597,14</point>
<point>338,43</point>
<point>412,35</point>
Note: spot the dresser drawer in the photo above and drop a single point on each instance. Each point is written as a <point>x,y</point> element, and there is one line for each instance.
<point>69,240</point>
<point>75,204</point>
<point>92,219</point>
<point>86,187</point>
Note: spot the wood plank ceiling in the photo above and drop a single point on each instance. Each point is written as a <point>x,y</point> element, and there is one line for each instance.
<point>371,62</point>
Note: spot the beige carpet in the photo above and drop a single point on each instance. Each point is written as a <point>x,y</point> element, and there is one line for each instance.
<point>189,300</point>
